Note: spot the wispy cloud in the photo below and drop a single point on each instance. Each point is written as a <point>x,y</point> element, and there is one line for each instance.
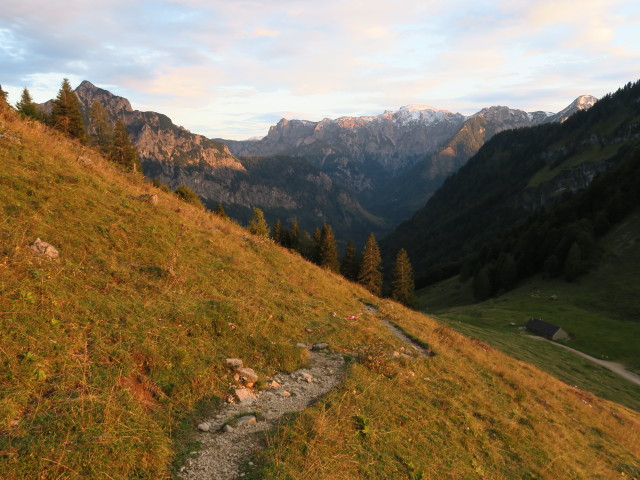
<point>227,69</point>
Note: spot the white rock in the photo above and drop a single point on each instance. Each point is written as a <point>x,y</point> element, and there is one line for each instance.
<point>204,427</point>
<point>247,376</point>
<point>228,428</point>
<point>44,249</point>
<point>245,396</point>
<point>246,420</point>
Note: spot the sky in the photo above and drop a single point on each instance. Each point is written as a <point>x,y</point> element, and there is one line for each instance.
<point>230,69</point>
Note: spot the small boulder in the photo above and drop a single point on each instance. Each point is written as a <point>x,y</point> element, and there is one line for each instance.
<point>246,420</point>
<point>306,377</point>
<point>301,345</point>
<point>44,249</point>
<point>245,396</point>
<point>247,376</point>
<point>228,428</point>
<point>85,160</point>
<point>204,427</point>
<point>274,384</point>
<point>319,346</point>
<point>149,198</point>
<point>233,363</point>
<point>284,393</point>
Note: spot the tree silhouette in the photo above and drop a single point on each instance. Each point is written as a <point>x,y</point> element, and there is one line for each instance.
<point>350,265</point>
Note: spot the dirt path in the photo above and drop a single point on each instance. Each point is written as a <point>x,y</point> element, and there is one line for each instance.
<point>405,339</point>
<point>615,367</point>
<point>223,451</point>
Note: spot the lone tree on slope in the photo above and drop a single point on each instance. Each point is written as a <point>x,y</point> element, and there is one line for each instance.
<point>257,224</point>
<point>65,115</point>
<point>371,269</point>
<point>403,284</point>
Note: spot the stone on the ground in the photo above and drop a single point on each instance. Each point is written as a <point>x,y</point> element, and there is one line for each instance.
<point>306,377</point>
<point>204,427</point>
<point>85,160</point>
<point>149,198</point>
<point>228,428</point>
<point>319,346</point>
<point>246,420</point>
<point>44,249</point>
<point>247,376</point>
<point>301,345</point>
<point>284,393</point>
<point>396,354</point>
<point>233,362</point>
<point>274,384</point>
<point>245,396</point>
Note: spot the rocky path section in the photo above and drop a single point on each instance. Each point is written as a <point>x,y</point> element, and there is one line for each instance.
<point>233,433</point>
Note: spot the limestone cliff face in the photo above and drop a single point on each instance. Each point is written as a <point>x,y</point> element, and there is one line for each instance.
<point>155,135</point>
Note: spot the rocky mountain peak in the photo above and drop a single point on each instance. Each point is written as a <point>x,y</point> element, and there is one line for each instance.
<point>88,93</point>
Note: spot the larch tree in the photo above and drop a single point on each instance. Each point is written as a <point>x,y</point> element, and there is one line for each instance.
<point>27,107</point>
<point>328,250</point>
<point>403,284</point>
<point>350,265</point>
<point>257,224</point>
<point>371,269</point>
<point>65,115</point>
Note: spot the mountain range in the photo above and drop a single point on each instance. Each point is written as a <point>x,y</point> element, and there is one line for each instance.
<point>359,174</point>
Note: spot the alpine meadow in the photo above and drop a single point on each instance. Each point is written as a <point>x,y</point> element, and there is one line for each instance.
<point>320,241</point>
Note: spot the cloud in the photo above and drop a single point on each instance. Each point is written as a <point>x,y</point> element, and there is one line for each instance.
<point>231,67</point>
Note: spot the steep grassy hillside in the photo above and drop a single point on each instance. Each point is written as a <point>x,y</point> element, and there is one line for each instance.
<point>106,349</point>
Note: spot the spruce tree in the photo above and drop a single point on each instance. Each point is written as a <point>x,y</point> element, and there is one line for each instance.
<point>27,107</point>
<point>65,115</point>
<point>122,150</point>
<point>293,235</point>
<point>257,224</point>
<point>371,269</point>
<point>100,127</point>
<point>3,98</point>
<point>328,251</point>
<point>317,239</point>
<point>403,284</point>
<point>350,265</point>
<point>189,196</point>
<point>276,232</point>
<point>219,211</point>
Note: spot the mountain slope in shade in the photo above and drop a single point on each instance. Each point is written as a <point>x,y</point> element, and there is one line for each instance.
<point>512,175</point>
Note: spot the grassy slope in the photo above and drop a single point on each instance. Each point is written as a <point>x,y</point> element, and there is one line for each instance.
<point>599,311</point>
<point>103,351</point>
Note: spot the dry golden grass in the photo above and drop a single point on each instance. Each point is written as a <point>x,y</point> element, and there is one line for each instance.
<point>104,350</point>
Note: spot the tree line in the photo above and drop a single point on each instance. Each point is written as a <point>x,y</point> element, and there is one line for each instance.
<point>363,267</point>
<point>111,139</point>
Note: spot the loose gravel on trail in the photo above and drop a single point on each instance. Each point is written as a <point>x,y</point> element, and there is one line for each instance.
<point>223,451</point>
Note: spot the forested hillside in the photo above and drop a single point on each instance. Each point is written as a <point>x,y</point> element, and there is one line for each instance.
<point>512,176</point>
